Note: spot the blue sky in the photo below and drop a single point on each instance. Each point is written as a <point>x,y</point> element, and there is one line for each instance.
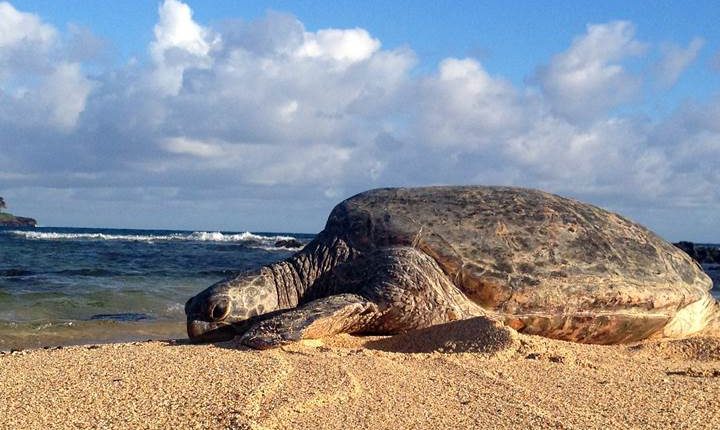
<point>263,115</point>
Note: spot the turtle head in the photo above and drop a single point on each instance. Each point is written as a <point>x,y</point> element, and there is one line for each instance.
<point>224,310</point>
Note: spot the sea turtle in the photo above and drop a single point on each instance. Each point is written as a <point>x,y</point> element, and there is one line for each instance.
<point>395,259</point>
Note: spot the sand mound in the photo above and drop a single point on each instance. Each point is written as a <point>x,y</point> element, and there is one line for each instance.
<point>479,335</point>
<point>701,348</point>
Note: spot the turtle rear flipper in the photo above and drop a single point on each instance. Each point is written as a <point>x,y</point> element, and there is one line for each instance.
<point>327,316</point>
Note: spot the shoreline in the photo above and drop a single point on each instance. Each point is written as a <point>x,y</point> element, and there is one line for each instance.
<point>404,381</point>
<point>92,344</point>
<point>81,333</point>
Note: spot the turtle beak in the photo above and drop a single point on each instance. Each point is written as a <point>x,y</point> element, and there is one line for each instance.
<point>203,331</point>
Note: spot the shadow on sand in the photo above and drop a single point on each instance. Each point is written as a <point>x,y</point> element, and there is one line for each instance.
<point>477,335</point>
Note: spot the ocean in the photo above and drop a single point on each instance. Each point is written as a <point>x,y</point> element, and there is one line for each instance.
<point>61,286</point>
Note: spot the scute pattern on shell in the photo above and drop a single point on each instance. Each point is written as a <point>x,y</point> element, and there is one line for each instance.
<point>519,251</point>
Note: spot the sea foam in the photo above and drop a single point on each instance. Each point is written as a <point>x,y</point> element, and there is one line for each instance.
<point>197,236</point>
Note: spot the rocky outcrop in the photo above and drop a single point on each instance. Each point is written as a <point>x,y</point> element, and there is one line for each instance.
<point>288,243</point>
<point>10,220</point>
<point>701,253</point>
<point>708,257</point>
<point>7,220</point>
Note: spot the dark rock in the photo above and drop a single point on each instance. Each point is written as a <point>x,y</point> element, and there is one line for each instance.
<point>288,243</point>
<point>709,259</point>
<point>688,247</point>
<point>701,253</point>
<point>8,220</point>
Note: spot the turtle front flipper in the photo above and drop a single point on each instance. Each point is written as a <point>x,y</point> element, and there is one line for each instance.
<point>342,313</point>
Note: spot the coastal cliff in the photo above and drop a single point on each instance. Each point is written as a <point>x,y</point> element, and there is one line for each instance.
<point>10,220</point>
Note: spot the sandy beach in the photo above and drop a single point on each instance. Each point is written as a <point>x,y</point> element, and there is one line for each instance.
<point>443,377</point>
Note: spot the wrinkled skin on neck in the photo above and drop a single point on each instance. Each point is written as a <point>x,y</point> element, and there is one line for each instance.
<point>225,309</point>
<point>229,307</point>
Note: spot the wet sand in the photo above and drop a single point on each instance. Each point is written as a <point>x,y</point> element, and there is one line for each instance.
<point>30,336</point>
<point>444,377</point>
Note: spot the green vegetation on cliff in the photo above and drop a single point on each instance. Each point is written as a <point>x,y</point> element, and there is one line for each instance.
<point>10,220</point>
<point>6,217</point>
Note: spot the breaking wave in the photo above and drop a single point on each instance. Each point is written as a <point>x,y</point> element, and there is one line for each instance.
<point>197,236</point>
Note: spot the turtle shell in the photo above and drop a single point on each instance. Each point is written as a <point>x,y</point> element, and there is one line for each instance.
<point>523,252</point>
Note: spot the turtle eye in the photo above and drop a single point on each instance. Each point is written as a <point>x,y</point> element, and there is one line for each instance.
<point>219,311</point>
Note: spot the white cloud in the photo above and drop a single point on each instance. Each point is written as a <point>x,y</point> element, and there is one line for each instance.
<point>344,46</point>
<point>17,28</point>
<point>181,145</point>
<point>264,114</point>
<point>40,86</point>
<point>64,92</point>
<point>180,43</point>
<point>176,29</point>
<point>25,42</point>
<point>320,164</point>
<point>675,59</point>
<point>589,78</point>
<point>464,106</point>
